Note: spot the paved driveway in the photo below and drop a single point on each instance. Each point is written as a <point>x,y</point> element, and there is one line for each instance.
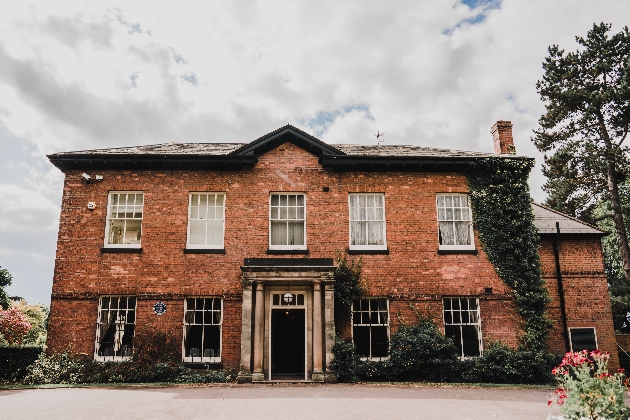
<point>276,402</point>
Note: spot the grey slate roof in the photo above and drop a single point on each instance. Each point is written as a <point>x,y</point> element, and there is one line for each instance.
<point>403,150</point>
<point>545,220</point>
<point>202,149</point>
<point>221,149</point>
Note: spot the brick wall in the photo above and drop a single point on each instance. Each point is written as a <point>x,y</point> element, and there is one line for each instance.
<point>585,288</point>
<point>412,272</point>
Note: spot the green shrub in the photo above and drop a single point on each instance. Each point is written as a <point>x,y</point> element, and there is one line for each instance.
<point>66,369</point>
<point>421,352</point>
<point>15,359</point>
<point>345,363</point>
<point>502,365</point>
<point>151,346</point>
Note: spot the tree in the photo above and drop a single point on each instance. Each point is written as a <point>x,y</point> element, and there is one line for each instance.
<point>5,280</point>
<point>13,325</point>
<point>582,133</point>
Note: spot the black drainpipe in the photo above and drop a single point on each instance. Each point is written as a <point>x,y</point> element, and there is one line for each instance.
<point>565,331</point>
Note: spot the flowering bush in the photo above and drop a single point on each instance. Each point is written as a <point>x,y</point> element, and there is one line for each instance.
<point>586,390</point>
<point>13,325</point>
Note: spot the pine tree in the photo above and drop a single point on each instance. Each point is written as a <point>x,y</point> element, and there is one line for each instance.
<point>582,133</point>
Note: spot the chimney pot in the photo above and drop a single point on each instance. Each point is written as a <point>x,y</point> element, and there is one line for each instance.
<point>502,136</point>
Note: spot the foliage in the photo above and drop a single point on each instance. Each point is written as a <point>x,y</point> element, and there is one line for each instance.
<point>501,364</point>
<point>15,359</point>
<point>503,216</point>
<point>5,280</point>
<point>64,368</point>
<point>348,286</point>
<point>586,390</point>
<point>420,351</point>
<point>345,363</point>
<point>587,100</point>
<point>151,346</point>
<point>37,316</point>
<point>14,325</point>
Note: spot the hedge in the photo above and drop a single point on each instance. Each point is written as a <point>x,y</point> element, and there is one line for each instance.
<point>15,359</point>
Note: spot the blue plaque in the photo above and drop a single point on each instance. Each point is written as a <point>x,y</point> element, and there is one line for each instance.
<point>159,308</point>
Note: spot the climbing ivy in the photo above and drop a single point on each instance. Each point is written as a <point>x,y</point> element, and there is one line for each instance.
<point>348,286</point>
<point>503,216</point>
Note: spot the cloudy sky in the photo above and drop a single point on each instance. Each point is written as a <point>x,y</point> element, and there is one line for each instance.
<point>95,74</point>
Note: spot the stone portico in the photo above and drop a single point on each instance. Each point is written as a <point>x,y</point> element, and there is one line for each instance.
<point>284,298</point>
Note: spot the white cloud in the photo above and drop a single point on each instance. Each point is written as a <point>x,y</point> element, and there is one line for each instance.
<point>23,210</point>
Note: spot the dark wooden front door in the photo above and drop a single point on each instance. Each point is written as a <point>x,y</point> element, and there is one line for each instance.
<point>287,343</point>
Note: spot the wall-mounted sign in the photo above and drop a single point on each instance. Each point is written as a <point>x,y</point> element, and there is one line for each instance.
<point>159,308</point>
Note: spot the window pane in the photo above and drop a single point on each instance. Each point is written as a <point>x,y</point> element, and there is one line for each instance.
<point>283,200</point>
<point>380,342</point>
<point>583,339</point>
<point>192,342</point>
<point>278,233</point>
<point>462,231</point>
<point>296,233</point>
<point>361,338</point>
<point>274,213</point>
<point>215,232</point>
<point>300,213</point>
<point>471,340</point>
<point>453,332</point>
<point>212,341</point>
<point>440,201</point>
<point>197,232</point>
<point>448,201</point>
<point>291,201</point>
<point>274,200</point>
<point>447,234</point>
<point>358,233</point>
<point>375,233</point>
<point>133,231</point>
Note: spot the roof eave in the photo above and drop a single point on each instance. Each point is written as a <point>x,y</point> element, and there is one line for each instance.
<point>150,162</point>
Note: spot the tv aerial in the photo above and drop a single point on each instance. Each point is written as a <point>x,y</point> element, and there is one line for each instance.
<point>379,137</point>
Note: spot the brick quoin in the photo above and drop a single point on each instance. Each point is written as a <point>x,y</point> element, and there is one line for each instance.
<point>412,275</point>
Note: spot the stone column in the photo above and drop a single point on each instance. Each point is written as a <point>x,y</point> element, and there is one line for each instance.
<point>259,331</point>
<point>329,324</point>
<point>318,373</point>
<point>246,334</point>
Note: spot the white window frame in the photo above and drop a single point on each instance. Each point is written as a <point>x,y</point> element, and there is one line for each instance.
<point>460,324</point>
<point>126,355</point>
<point>110,220</point>
<point>202,358</point>
<point>582,328</point>
<point>287,247</point>
<point>471,246</point>
<point>384,233</point>
<point>190,205</point>
<point>360,324</point>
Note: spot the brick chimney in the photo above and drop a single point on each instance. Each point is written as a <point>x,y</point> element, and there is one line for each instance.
<point>502,136</point>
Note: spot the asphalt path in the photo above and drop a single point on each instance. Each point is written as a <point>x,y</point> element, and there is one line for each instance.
<point>277,402</point>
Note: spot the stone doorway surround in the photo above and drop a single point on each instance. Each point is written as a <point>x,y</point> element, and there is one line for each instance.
<point>261,277</point>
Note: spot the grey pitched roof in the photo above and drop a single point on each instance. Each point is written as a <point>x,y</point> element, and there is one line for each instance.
<point>235,156</point>
<point>405,150</point>
<point>221,149</point>
<point>201,149</point>
<point>545,220</point>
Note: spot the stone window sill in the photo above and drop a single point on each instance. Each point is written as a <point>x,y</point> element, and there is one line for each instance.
<point>204,251</point>
<point>368,251</point>
<point>457,251</point>
<point>287,251</point>
<point>121,250</point>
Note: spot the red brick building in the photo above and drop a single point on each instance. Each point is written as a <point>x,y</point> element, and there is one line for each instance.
<point>233,246</point>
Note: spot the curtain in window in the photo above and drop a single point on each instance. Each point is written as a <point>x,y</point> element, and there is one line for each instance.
<point>367,219</point>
